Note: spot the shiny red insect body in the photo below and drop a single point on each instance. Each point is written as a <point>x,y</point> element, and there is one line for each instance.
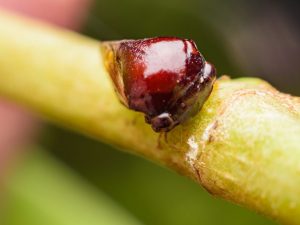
<point>166,78</point>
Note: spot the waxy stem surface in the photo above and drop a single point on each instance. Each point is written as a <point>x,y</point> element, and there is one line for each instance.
<point>243,146</point>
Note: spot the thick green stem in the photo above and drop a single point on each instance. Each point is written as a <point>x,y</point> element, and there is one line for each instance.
<point>244,145</point>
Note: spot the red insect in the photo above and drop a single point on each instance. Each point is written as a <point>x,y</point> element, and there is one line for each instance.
<point>166,78</point>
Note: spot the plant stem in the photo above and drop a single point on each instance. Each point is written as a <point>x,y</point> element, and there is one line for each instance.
<point>243,146</point>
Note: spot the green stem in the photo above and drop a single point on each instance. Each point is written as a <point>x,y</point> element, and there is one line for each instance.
<point>243,146</point>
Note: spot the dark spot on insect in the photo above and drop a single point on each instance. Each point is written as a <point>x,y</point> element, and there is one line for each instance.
<point>182,105</point>
<point>147,119</point>
<point>160,122</point>
<point>166,78</point>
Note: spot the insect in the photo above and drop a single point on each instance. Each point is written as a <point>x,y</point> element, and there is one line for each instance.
<point>166,78</point>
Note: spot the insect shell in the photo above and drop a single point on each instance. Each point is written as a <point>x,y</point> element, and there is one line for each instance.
<point>166,78</point>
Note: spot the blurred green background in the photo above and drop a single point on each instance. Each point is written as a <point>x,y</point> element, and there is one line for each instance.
<point>242,38</point>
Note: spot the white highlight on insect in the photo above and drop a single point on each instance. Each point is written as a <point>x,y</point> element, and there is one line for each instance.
<point>207,70</point>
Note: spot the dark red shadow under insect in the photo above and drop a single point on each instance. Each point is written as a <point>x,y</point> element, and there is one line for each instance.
<point>166,78</point>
